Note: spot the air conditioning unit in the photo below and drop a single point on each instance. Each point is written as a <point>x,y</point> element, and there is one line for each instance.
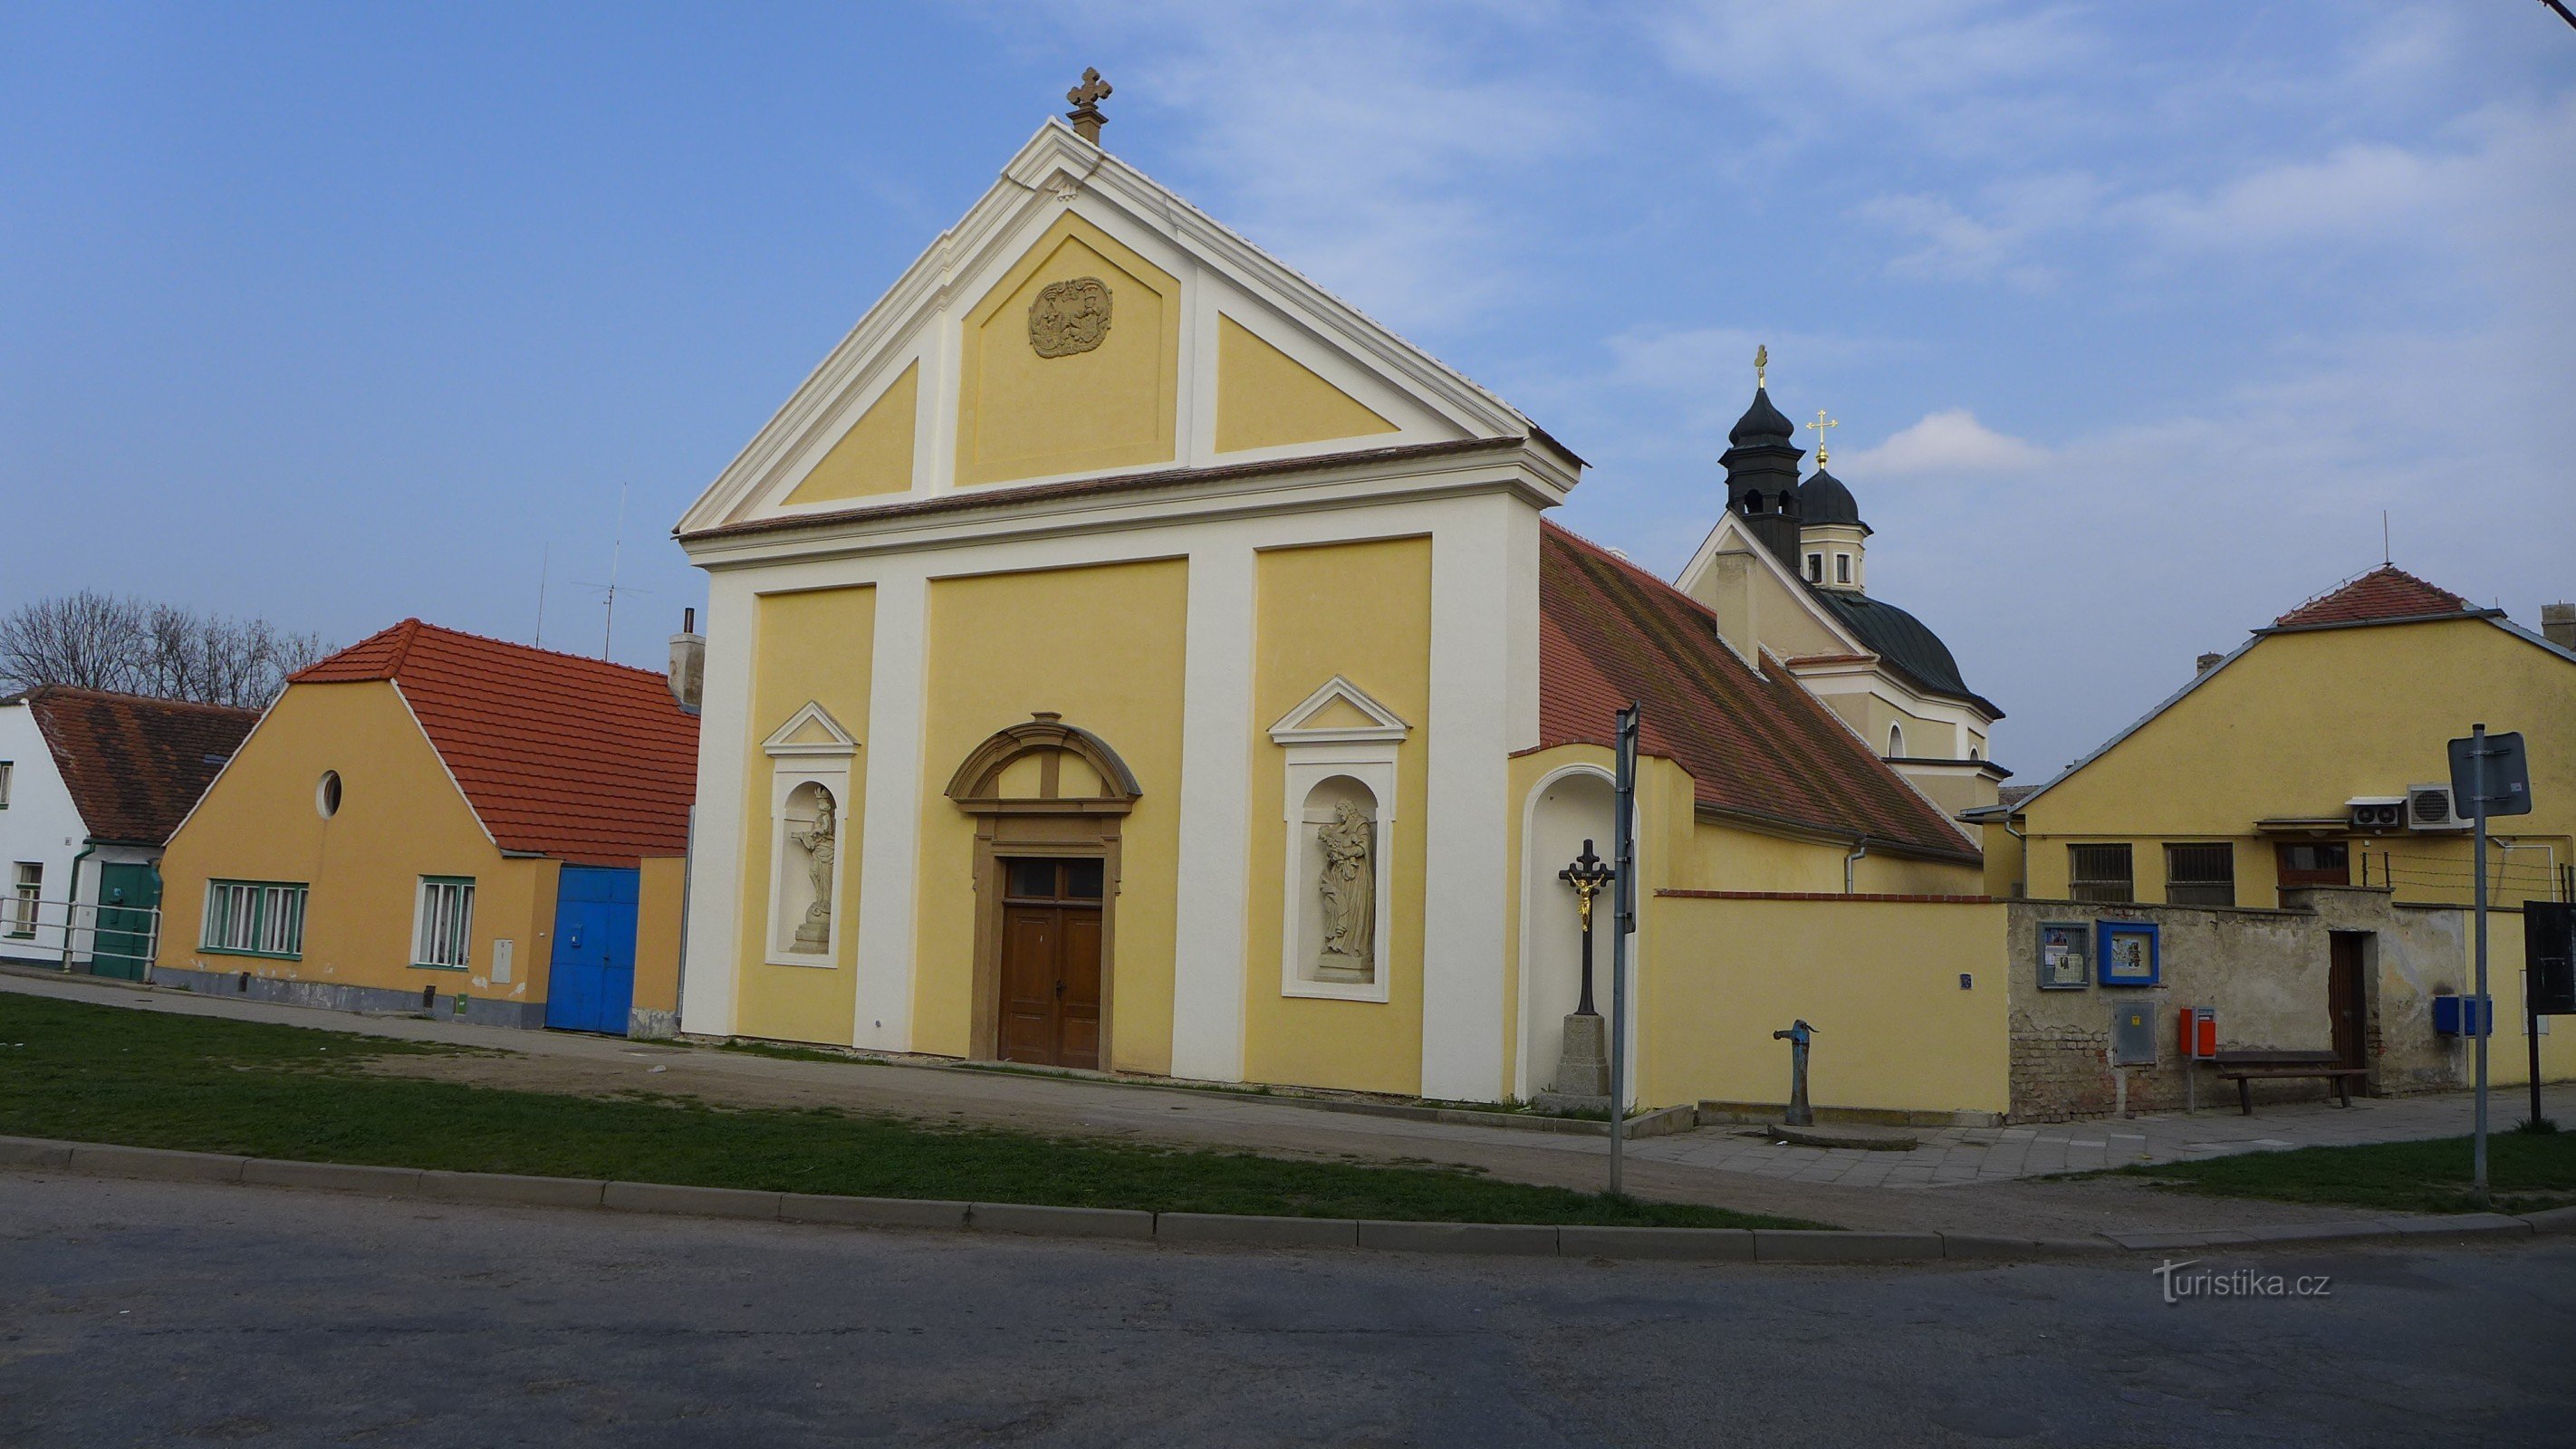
<point>2429,807</point>
<point>2377,812</point>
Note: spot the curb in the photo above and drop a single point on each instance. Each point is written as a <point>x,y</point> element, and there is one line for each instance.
<point>1542,1240</point>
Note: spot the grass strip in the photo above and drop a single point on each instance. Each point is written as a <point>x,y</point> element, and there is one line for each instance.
<point>153,1079</point>
<point>2526,1172</point>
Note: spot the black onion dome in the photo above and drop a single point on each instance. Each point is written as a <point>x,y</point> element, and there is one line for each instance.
<point>1824,499</point>
<point>1904,642</point>
<point>1762,423</point>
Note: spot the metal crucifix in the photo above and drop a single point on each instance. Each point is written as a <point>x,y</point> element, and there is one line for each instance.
<point>1589,875</point>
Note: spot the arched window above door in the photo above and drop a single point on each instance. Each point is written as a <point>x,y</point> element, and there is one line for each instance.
<point>1044,767</point>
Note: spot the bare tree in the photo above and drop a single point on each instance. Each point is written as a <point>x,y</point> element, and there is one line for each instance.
<point>97,641</point>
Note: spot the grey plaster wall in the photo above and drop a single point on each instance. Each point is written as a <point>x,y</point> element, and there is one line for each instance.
<point>326,996</point>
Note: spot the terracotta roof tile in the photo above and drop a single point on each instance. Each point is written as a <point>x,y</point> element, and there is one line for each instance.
<point>559,755</point>
<point>1610,632</point>
<point>135,765</point>
<point>2386,592</point>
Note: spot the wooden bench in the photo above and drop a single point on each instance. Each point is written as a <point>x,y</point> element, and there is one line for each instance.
<point>2245,1068</point>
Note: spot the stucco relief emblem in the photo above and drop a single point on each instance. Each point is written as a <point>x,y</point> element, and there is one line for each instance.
<point>1069,317</point>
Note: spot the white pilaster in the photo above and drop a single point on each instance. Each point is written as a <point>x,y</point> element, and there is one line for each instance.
<point>1216,735</point>
<point>892,843</point>
<point>712,964</point>
<point>1465,885</point>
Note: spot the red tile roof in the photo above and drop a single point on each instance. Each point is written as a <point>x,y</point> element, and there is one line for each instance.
<point>135,765</point>
<point>2386,592</point>
<point>1609,632</point>
<point>575,758</point>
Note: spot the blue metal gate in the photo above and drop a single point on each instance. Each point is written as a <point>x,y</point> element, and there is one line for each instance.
<point>590,982</point>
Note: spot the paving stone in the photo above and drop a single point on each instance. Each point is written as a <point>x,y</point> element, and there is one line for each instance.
<point>1687,1244</point>
<point>333,1176</point>
<point>1792,1245</point>
<point>512,1189</point>
<point>1531,1239</point>
<point>153,1162</point>
<point>1061,1222</point>
<point>1272,1232</point>
<point>873,1212</point>
<point>704,1202</point>
<point>34,1152</point>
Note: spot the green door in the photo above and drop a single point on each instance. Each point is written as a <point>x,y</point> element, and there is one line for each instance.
<point>127,898</point>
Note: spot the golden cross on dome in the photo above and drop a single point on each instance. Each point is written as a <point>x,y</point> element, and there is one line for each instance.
<point>1761,361</point>
<point>1821,423</point>
<point>1086,99</point>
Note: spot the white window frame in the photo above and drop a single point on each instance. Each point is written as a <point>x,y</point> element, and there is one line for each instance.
<point>1366,755</point>
<point>1842,568</point>
<point>269,915</point>
<point>1815,568</point>
<point>8,778</point>
<point>824,763</point>
<point>26,899</point>
<point>442,923</point>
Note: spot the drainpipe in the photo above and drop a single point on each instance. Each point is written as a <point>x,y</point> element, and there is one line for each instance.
<point>1860,849</point>
<point>71,901</point>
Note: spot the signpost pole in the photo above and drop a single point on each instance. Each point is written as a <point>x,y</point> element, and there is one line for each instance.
<point>2486,1007</point>
<point>1623,921</point>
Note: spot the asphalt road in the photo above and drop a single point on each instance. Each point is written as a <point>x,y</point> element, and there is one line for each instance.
<point>166,1314</point>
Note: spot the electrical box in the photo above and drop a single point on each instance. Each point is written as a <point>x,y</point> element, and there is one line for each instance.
<point>2133,1036</point>
<point>2549,957</point>
<point>2196,1032</point>
<point>2464,1015</point>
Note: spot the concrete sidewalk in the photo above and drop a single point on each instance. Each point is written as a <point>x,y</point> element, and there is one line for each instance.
<point>1992,1177</point>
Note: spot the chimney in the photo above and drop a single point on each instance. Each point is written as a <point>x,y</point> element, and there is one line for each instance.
<point>2206,663</point>
<point>688,661</point>
<point>2558,624</point>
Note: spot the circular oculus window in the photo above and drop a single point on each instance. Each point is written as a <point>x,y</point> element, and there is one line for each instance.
<point>326,795</point>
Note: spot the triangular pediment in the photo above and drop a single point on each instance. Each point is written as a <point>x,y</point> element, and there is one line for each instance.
<point>1338,713</point>
<point>1081,321</point>
<point>811,730</point>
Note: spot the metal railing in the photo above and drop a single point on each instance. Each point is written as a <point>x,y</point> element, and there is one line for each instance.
<point>69,933</point>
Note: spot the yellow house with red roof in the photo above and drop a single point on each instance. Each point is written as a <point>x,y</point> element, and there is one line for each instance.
<point>1126,656</point>
<point>434,821</point>
<point>2315,754</point>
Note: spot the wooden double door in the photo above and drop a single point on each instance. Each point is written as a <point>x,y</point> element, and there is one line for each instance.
<point>1050,969</point>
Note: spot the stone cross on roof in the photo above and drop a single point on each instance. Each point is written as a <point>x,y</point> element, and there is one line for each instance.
<point>1086,99</point>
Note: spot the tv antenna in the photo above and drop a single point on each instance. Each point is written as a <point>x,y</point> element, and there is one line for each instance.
<point>545,562</point>
<point>616,548</point>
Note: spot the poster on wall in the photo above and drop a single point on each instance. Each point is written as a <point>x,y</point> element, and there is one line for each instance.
<point>2128,952</point>
<point>2065,963</point>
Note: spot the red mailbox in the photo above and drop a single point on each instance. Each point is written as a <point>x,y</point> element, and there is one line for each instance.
<point>2196,1031</point>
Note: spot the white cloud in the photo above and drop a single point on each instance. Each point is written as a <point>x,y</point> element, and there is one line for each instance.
<point>2019,215</point>
<point>1946,442</point>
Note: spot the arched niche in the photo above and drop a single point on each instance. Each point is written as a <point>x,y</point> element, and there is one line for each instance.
<point>809,789</point>
<point>1566,808</point>
<point>1041,790</point>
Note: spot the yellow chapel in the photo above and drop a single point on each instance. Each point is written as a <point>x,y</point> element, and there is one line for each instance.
<point>1126,656</point>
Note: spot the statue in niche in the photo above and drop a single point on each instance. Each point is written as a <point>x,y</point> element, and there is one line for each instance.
<point>1349,886</point>
<point>814,933</point>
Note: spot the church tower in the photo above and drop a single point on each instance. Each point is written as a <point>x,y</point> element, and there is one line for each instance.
<point>1762,473</point>
<point>1831,536</point>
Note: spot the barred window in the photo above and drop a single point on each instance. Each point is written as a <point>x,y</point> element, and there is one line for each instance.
<point>2100,873</point>
<point>2200,875</point>
<point>444,933</point>
<point>253,918</point>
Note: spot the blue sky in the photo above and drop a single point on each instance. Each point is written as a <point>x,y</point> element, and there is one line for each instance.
<point>2135,317</point>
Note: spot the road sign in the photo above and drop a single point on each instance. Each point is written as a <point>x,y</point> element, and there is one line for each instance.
<point>2508,776</point>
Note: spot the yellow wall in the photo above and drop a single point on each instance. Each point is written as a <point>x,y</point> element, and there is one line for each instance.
<point>400,818</point>
<point>1265,398</point>
<point>2305,721</point>
<point>1103,647</point>
<point>1020,415</point>
<point>812,647</point>
<point>1878,980</point>
<point>1299,594</point>
<point>875,455</point>
<point>661,893</point>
